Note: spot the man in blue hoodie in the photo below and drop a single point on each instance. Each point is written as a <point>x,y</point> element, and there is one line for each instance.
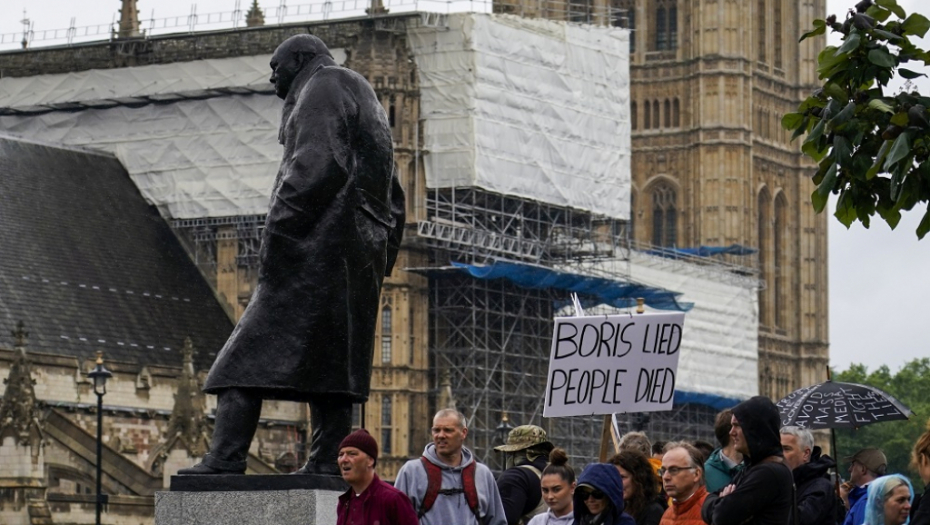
<point>451,460</point>
<point>865,467</point>
<point>762,493</point>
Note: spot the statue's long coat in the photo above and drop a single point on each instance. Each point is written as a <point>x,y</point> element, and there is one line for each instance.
<point>332,233</point>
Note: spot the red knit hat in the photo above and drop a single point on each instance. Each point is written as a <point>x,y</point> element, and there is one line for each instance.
<point>363,441</point>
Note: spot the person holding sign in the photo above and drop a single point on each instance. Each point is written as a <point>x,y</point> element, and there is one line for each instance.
<point>762,493</point>
<point>599,497</point>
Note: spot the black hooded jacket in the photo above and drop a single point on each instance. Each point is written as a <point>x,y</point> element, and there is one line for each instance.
<point>815,493</point>
<point>920,509</point>
<point>763,493</point>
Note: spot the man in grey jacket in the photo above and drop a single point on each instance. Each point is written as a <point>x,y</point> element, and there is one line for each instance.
<point>453,463</point>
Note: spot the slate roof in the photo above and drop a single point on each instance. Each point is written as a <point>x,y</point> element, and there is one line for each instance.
<point>87,265</point>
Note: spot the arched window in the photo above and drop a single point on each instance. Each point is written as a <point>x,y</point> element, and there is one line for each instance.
<point>647,116</point>
<point>631,17</point>
<point>664,215</point>
<point>661,29</point>
<point>673,27</point>
<point>632,225</point>
<point>386,421</point>
<point>676,113</point>
<point>386,334</point>
<point>776,34</point>
<point>633,115</point>
<point>655,114</point>
<point>760,29</point>
<point>391,110</point>
<point>668,113</point>
<point>778,252</point>
<point>764,231</point>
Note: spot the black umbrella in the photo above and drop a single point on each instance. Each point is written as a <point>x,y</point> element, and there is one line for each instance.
<point>839,405</point>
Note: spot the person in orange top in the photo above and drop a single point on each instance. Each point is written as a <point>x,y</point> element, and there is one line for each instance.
<point>683,479</point>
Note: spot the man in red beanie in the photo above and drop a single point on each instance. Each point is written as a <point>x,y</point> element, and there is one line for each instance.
<point>368,500</point>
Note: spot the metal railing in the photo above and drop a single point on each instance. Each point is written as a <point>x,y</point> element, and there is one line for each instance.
<point>579,11</point>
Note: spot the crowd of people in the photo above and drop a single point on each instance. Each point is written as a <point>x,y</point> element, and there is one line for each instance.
<point>760,473</point>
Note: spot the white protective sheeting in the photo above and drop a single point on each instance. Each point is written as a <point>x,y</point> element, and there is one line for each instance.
<point>720,348</point>
<point>159,82</point>
<point>134,82</point>
<point>203,157</point>
<point>525,107</point>
<point>214,157</point>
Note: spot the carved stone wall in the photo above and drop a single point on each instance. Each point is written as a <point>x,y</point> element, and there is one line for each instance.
<point>736,68</point>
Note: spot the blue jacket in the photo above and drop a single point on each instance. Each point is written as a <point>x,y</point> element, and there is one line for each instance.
<point>856,514</point>
<point>605,478</point>
<point>717,474</point>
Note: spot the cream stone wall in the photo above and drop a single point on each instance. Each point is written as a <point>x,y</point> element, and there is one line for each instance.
<point>736,69</point>
<point>17,461</point>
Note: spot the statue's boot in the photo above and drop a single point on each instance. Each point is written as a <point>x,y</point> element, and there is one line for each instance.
<point>237,413</point>
<point>330,423</point>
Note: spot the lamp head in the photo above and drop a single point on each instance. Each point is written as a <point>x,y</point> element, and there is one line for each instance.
<point>99,376</point>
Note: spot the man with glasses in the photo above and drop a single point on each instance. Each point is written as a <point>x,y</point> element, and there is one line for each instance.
<point>864,467</point>
<point>683,480</point>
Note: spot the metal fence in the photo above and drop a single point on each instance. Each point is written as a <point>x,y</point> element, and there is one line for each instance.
<point>578,11</point>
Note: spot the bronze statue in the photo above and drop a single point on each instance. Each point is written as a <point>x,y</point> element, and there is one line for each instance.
<point>332,233</point>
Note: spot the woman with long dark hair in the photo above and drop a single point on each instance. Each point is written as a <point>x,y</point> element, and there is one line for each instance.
<point>640,487</point>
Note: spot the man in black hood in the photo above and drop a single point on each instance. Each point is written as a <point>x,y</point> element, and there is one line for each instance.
<point>816,497</point>
<point>762,493</point>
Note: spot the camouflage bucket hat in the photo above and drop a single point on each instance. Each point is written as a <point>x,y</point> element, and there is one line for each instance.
<point>524,437</point>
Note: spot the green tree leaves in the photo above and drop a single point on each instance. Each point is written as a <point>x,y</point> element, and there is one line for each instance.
<point>872,147</point>
<point>911,386</point>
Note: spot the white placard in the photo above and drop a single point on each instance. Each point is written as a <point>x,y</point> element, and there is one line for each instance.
<point>610,364</point>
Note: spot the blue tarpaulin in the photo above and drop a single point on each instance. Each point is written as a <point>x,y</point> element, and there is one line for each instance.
<point>704,251</point>
<point>594,290</point>
<point>712,400</point>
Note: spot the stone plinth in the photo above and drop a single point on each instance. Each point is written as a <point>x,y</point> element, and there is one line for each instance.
<point>249,500</point>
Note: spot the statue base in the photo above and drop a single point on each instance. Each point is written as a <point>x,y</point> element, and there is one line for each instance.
<point>249,500</point>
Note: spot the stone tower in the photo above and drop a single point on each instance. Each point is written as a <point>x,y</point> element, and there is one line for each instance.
<point>129,20</point>
<point>254,17</point>
<point>712,165</point>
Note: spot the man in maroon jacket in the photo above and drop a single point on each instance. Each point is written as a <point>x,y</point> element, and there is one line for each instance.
<point>368,500</point>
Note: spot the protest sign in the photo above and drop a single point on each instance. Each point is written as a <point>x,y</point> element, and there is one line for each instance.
<point>609,364</point>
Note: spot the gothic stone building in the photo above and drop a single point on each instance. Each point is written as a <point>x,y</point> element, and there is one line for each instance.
<point>711,166</point>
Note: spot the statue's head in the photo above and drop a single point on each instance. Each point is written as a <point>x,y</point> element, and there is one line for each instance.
<point>291,57</point>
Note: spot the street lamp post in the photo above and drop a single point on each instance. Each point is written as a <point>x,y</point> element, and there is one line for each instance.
<point>99,376</point>
<point>503,431</point>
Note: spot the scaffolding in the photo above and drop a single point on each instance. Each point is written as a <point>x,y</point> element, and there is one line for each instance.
<point>200,235</point>
<point>478,226</point>
<point>493,337</point>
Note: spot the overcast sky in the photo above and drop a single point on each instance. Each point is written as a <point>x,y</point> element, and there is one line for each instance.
<point>879,279</point>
